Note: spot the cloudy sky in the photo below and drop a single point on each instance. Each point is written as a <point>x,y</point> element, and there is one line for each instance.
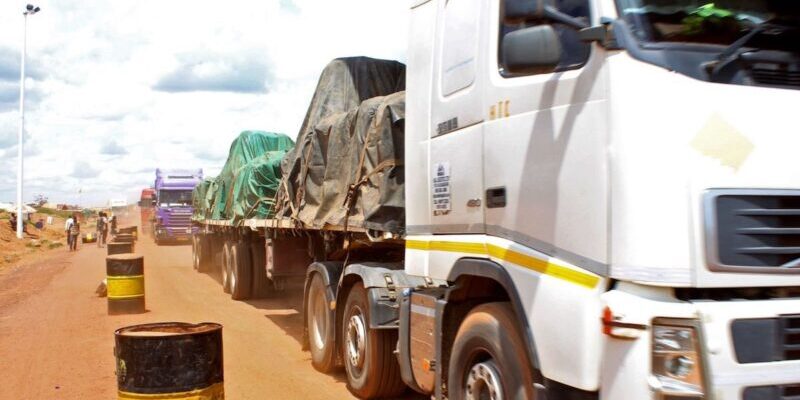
<point>118,88</point>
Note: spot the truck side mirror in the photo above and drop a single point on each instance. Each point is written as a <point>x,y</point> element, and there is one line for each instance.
<point>534,48</point>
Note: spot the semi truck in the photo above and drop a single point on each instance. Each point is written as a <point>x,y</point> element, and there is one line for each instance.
<point>173,204</point>
<point>598,202</point>
<point>147,202</point>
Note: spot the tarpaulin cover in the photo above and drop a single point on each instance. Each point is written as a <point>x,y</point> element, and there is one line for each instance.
<point>247,183</point>
<point>342,86</point>
<point>199,202</point>
<point>347,167</point>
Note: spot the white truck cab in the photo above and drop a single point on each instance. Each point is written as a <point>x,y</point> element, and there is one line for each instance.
<point>622,173</point>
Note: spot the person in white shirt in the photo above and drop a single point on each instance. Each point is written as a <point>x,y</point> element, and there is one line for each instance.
<point>67,225</point>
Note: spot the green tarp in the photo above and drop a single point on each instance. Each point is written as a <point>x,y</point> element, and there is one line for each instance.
<point>246,186</point>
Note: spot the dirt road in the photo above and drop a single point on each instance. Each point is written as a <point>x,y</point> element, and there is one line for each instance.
<point>56,340</point>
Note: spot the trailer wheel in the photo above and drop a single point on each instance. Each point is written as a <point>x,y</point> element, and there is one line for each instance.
<point>320,326</point>
<point>205,255</point>
<point>226,267</point>
<point>369,360</point>
<point>240,267</point>
<point>488,359</point>
<point>261,285</point>
<point>195,253</point>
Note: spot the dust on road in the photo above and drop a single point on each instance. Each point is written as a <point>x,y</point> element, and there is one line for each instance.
<point>56,341</point>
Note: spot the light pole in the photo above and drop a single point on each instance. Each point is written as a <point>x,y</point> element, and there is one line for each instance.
<point>29,10</point>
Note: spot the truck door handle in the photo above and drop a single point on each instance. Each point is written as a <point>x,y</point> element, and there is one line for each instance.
<point>496,197</point>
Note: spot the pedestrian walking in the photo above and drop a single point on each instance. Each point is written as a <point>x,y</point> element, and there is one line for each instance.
<point>101,229</point>
<point>67,225</point>
<point>74,232</point>
<point>114,225</point>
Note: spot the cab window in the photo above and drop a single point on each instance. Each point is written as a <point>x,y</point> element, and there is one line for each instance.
<point>574,52</point>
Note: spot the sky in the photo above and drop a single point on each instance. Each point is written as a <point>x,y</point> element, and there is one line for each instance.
<point>117,88</point>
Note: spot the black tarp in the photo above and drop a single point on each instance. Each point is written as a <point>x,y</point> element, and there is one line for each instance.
<point>346,168</point>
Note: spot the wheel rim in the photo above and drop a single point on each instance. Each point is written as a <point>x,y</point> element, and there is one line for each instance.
<point>318,320</point>
<point>483,382</point>
<point>355,342</point>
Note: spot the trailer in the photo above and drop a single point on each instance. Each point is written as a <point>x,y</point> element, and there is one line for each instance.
<point>584,199</point>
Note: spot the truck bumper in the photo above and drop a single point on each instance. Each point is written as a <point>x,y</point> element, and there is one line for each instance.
<point>175,233</point>
<point>751,363</point>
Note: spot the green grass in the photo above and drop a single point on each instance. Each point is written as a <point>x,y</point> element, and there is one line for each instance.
<point>54,212</point>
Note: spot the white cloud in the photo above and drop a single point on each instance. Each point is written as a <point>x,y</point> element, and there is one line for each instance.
<point>119,88</point>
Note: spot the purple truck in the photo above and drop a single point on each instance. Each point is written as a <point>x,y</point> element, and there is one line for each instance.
<point>173,204</point>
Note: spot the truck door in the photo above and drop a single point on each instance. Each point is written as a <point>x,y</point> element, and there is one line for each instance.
<point>456,163</point>
<point>544,144</point>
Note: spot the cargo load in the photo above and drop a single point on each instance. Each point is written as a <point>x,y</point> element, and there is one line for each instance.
<point>247,183</point>
<point>346,169</point>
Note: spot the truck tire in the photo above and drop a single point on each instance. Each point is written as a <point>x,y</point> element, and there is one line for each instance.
<point>489,356</point>
<point>241,271</point>
<point>320,326</point>
<point>226,267</point>
<point>195,253</point>
<point>258,255</point>
<point>205,256</point>
<point>369,360</point>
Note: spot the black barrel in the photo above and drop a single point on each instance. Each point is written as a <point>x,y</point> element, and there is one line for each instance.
<point>170,360</point>
<point>124,237</point>
<point>125,283</point>
<point>120,247</point>
<point>130,230</point>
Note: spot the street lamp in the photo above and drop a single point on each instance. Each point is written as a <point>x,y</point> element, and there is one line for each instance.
<point>29,10</point>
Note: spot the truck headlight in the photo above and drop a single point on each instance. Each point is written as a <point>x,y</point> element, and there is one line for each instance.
<point>677,366</point>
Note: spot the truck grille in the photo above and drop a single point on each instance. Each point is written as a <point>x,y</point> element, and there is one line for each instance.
<point>777,392</point>
<point>754,230</point>
<point>180,219</point>
<point>776,77</point>
<point>767,339</point>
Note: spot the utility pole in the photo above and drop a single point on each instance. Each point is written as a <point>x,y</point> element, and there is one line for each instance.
<point>29,10</point>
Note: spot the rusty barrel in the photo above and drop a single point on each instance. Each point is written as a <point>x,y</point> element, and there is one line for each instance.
<point>125,283</point>
<point>124,237</point>
<point>130,230</point>
<point>169,360</point>
<point>120,247</point>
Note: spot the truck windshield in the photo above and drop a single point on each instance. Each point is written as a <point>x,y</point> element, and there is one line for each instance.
<point>701,22</point>
<point>167,198</point>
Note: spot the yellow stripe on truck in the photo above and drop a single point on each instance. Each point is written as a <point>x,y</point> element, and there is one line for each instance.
<point>545,267</point>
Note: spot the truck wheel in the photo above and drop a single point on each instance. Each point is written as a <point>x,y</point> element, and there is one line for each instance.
<point>204,255</point>
<point>241,274</point>
<point>195,253</point>
<point>372,369</point>
<point>319,323</point>
<point>261,285</point>
<point>489,359</point>
<point>226,267</point>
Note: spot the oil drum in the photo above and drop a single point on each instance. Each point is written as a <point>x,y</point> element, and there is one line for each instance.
<point>170,360</point>
<point>131,230</point>
<point>124,237</point>
<point>120,247</point>
<point>125,283</point>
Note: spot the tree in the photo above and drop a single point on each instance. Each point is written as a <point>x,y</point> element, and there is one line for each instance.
<point>40,200</point>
